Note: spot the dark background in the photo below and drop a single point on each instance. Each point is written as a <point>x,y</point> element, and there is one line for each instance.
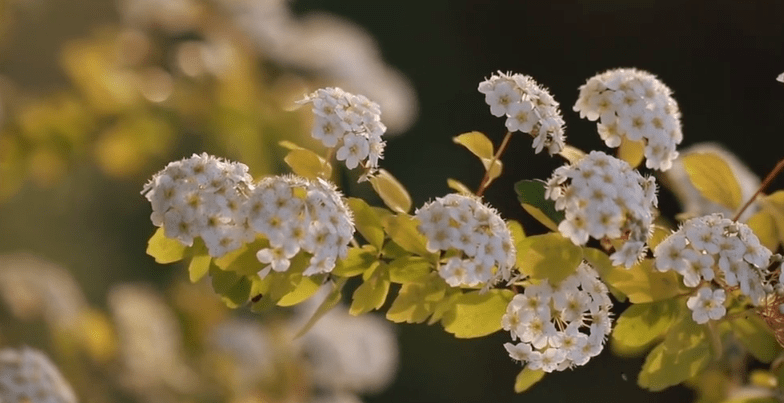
<point>720,58</point>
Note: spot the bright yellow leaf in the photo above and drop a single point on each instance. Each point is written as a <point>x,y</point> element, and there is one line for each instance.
<point>713,177</point>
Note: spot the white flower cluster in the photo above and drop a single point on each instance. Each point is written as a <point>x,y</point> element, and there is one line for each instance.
<point>352,123</point>
<point>476,232</point>
<point>714,248</point>
<point>27,376</point>
<point>559,326</point>
<point>201,196</point>
<point>216,200</point>
<point>633,104</point>
<point>603,197</point>
<point>528,107</point>
<point>296,214</point>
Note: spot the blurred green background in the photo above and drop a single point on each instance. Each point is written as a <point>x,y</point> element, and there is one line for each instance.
<point>77,202</point>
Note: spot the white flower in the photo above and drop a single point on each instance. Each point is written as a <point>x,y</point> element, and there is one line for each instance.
<point>297,215</point>
<point>707,305</point>
<point>476,232</point>
<point>350,122</point>
<point>602,197</point>
<point>201,196</point>
<point>559,326</point>
<point>712,248</point>
<point>528,108</point>
<point>633,104</point>
<point>27,375</point>
<point>780,78</point>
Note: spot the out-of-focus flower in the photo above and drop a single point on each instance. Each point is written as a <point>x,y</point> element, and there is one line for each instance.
<point>321,43</point>
<point>151,354</point>
<point>33,287</point>
<point>347,353</point>
<point>27,376</point>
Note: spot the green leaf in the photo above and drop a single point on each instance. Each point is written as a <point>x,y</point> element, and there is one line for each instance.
<point>357,261</point>
<point>641,283</point>
<point>757,337</point>
<point>572,154</point>
<point>631,151</point>
<point>367,222</point>
<point>416,301</point>
<point>308,164</point>
<point>477,143</point>
<point>774,206</point>
<point>684,352</point>
<point>402,229</point>
<point>518,234</point>
<point>199,267</point>
<point>459,187</point>
<point>330,301</point>
<point>549,256</point>
<point>243,260</point>
<point>371,294</point>
<point>763,224</point>
<point>233,288</point>
<point>641,324</point>
<point>409,269</point>
<point>713,177</point>
<point>527,378</point>
<point>394,195</point>
<point>446,304</point>
<point>165,250</point>
<point>305,289</point>
<point>531,194</point>
<point>477,314</point>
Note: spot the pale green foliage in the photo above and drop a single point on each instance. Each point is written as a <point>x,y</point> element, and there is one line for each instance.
<point>711,175</point>
<point>482,147</point>
<point>476,314</point>
<point>527,378</point>
<point>549,256</point>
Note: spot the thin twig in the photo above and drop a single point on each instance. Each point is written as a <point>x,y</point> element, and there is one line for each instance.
<point>486,180</point>
<point>762,187</point>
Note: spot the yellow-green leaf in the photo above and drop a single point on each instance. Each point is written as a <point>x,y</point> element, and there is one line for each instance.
<point>367,222</point>
<point>684,352</point>
<point>446,304</point>
<point>518,234</point>
<point>402,229</point>
<point>549,256</point>
<point>763,224</point>
<point>357,261</point>
<point>713,177</point>
<point>394,195</point>
<point>477,143</point>
<point>199,267</point>
<point>371,294</point>
<point>572,154</point>
<point>305,289</point>
<point>458,186</point>
<point>165,250</point>
<point>773,204</point>
<point>416,301</point>
<point>642,324</point>
<point>641,283</point>
<point>330,301</point>
<point>477,314</point>
<point>757,337</point>
<point>308,164</point>
<point>531,194</point>
<point>631,151</point>
<point>243,260</point>
<point>527,378</point>
<point>409,269</point>
<point>233,288</point>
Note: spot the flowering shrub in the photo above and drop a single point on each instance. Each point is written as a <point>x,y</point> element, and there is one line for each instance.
<point>458,263</point>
